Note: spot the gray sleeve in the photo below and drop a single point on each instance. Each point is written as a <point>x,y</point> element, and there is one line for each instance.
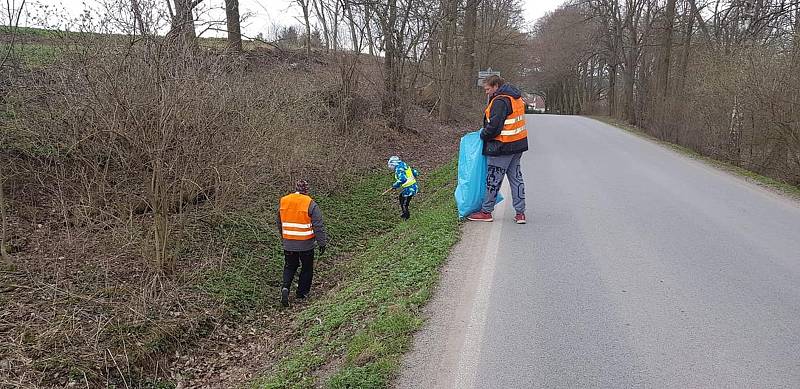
<point>278,219</point>
<point>317,224</point>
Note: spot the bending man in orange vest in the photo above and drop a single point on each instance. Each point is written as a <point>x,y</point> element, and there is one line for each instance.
<point>300,223</point>
<point>504,140</point>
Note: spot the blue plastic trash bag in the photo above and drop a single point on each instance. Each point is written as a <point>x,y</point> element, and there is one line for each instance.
<point>472,171</point>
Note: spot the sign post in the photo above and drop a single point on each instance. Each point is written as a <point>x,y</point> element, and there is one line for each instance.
<point>483,74</point>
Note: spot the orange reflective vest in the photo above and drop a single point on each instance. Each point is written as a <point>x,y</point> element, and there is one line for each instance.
<point>295,220</point>
<point>514,126</point>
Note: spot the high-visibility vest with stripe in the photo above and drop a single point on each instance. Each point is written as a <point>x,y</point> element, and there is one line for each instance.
<point>295,220</point>
<point>514,125</point>
<point>410,179</point>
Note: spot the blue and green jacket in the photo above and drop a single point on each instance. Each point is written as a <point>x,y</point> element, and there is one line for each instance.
<point>406,178</point>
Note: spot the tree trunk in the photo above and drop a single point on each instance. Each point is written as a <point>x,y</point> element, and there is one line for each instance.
<point>687,47</point>
<point>631,55</point>
<point>335,23</point>
<point>663,76</point>
<point>796,39</point>
<point>595,69</point>
<point>582,86</point>
<point>391,104</point>
<point>628,80</point>
<point>234,25</point>
<point>3,222</point>
<point>448,59</point>
<point>319,8</point>
<point>352,25</point>
<point>434,52</point>
<point>159,199</point>
<point>612,90</point>
<point>183,22</point>
<point>333,16</point>
<point>574,91</point>
<point>304,7</point>
<point>700,22</point>
<point>468,55</point>
<point>137,15</point>
<point>370,37</point>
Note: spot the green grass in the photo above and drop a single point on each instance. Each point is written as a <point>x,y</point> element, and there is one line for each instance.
<point>33,54</point>
<point>780,186</point>
<point>25,32</point>
<point>28,31</point>
<point>364,328</point>
<point>44,34</point>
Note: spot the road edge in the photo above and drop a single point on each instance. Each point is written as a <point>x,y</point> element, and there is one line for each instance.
<point>772,185</point>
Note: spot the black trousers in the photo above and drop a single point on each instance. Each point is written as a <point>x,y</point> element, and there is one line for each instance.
<point>293,261</point>
<point>404,203</point>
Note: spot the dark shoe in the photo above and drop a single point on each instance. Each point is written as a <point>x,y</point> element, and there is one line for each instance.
<point>285,297</point>
<point>520,218</point>
<point>302,296</point>
<point>480,216</point>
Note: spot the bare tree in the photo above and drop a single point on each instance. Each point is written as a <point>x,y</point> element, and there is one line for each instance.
<point>666,47</point>
<point>10,26</point>
<point>304,6</point>
<point>234,25</point>
<point>395,20</point>
<point>319,10</point>
<point>468,53</point>
<point>392,102</point>
<point>183,21</point>
<point>706,74</point>
<point>136,10</point>
<point>426,40</point>
<point>3,219</point>
<point>448,65</point>
<point>356,31</point>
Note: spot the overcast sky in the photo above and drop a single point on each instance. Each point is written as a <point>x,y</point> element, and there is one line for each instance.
<point>266,13</point>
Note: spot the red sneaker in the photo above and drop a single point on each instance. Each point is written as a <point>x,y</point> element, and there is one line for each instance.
<point>520,218</point>
<point>480,216</point>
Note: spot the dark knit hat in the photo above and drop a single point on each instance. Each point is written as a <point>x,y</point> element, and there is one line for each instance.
<point>301,186</point>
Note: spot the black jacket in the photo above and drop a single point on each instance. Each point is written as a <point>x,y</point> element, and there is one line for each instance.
<point>497,116</point>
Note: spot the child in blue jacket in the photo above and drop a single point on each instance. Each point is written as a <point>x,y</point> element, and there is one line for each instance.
<point>405,179</point>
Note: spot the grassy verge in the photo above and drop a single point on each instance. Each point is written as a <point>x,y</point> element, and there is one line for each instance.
<point>771,183</point>
<point>355,336</point>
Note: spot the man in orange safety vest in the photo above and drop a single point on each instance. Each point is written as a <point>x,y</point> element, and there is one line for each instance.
<point>505,138</point>
<point>301,227</point>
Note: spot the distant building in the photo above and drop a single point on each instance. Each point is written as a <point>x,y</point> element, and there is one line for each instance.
<point>534,104</point>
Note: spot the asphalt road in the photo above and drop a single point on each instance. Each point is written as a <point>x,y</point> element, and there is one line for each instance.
<point>639,268</point>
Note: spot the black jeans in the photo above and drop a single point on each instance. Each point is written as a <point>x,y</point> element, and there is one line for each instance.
<point>293,261</point>
<point>404,202</point>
